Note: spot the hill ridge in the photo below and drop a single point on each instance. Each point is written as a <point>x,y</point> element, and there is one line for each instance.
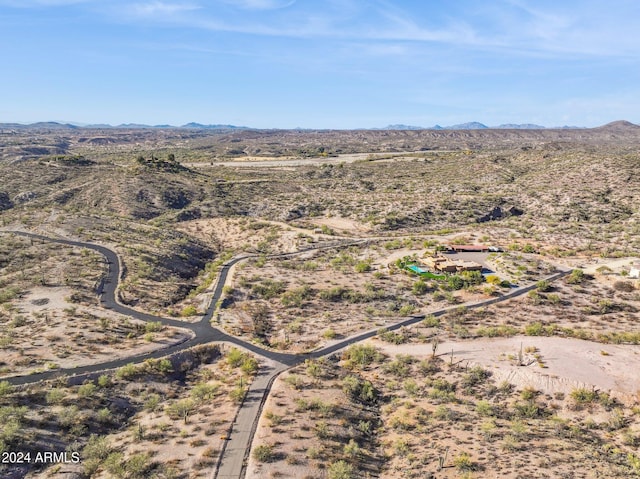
<point>473,125</point>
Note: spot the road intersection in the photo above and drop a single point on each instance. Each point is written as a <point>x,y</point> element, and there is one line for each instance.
<point>234,455</point>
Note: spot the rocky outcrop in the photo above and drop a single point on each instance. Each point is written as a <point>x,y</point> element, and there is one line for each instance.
<point>25,197</point>
<point>302,211</point>
<point>5,201</point>
<point>175,198</point>
<point>500,212</point>
<point>189,214</point>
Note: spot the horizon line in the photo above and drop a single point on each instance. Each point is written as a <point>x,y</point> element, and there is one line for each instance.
<point>472,125</point>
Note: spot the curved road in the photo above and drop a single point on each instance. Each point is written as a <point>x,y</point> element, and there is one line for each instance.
<point>202,331</point>
<point>235,451</point>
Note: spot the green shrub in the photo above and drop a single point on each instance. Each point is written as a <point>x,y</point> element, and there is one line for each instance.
<point>104,381</point>
<point>528,394</point>
<point>455,282</point>
<point>431,321</point>
<point>535,297</point>
<point>203,392</point>
<point>529,409</point>
<point>397,368</point>
<point>587,396</point>
<point>497,331</point>
<point>264,453</point>
<point>359,390</point>
<point>419,287</point>
<point>237,394</point>
<point>188,311</point>
<point>249,365</point>
<point>268,288</point>
<point>634,463</point>
<point>87,390</point>
<point>534,329</point>
<point>181,409</point>
<point>329,334</point>
<point>151,402</point>
<point>406,310</point>
<point>484,408</point>
<point>340,293</point>
<point>393,337</point>
<point>274,419</point>
<point>326,230</point>
<point>362,355</point>
<point>394,244</point>
<point>156,326</point>
<point>310,266</point>
<point>294,381</point>
<point>471,278</point>
<point>438,396</point>
<point>443,385</point>
<point>94,453</point>
<point>296,297</point>
<point>5,388</point>
<point>55,396</point>
<point>137,465</point>
<point>576,277</point>
<point>235,357</point>
<point>7,294</point>
<point>411,387</point>
<point>340,470</point>
<point>463,462</point>
<point>553,298</point>
<point>127,371</point>
<point>543,286</point>
<point>363,266</point>
<point>164,366</point>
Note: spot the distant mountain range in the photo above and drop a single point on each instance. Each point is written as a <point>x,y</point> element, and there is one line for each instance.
<point>54,125</point>
<point>215,127</point>
<point>474,125</point>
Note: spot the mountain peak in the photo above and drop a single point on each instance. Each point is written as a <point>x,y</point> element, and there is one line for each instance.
<point>619,125</point>
<point>472,125</point>
<point>200,126</point>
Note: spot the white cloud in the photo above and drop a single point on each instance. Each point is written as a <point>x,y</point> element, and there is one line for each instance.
<point>40,3</point>
<point>261,4</point>
<point>155,9</point>
<point>521,28</point>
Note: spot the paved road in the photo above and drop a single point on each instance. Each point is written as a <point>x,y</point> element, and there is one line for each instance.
<point>234,456</point>
<point>232,461</point>
<point>202,332</point>
<point>235,451</point>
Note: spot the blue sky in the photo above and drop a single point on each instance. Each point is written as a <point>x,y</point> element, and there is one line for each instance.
<point>320,64</point>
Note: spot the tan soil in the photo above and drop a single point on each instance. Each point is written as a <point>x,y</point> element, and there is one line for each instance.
<point>568,363</point>
<point>60,334</point>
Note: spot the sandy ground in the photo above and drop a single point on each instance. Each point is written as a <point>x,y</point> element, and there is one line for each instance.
<point>568,363</point>
<point>279,395</point>
<point>189,449</point>
<point>615,265</point>
<point>84,342</point>
<point>261,161</point>
<point>44,299</point>
<point>234,234</point>
<point>343,225</point>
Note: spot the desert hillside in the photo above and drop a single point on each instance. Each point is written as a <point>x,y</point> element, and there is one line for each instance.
<point>424,303</point>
